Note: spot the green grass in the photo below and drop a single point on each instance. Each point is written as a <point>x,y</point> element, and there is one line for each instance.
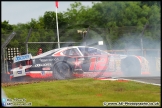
<point>83,92</point>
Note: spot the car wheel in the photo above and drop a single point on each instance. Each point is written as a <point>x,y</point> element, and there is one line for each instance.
<point>62,70</point>
<point>130,66</point>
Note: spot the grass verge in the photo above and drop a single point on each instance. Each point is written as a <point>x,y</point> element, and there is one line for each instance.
<point>83,92</point>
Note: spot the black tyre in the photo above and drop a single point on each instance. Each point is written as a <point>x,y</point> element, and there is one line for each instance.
<point>62,70</point>
<point>130,66</point>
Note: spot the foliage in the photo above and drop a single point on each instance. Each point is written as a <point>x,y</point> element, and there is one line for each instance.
<point>122,23</point>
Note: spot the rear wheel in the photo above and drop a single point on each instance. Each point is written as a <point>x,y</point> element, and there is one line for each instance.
<point>130,66</point>
<point>62,70</point>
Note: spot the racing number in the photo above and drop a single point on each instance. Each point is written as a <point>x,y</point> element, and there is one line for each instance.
<point>92,64</point>
<point>97,64</point>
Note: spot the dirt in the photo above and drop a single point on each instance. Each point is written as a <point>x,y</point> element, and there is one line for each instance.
<point>6,84</point>
<point>5,81</point>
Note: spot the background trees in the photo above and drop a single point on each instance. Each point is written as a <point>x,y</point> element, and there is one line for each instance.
<point>118,23</point>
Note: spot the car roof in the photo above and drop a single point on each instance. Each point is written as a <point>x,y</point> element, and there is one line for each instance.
<point>78,46</point>
<point>58,49</point>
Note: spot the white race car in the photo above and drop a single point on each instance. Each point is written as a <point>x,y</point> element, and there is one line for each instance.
<point>78,61</point>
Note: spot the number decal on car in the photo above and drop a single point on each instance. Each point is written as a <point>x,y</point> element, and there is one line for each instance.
<point>97,64</point>
<point>92,64</point>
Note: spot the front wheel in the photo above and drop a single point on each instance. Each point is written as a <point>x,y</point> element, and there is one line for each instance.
<point>62,70</point>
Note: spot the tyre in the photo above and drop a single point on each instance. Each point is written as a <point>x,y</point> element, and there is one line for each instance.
<point>62,70</point>
<point>130,66</point>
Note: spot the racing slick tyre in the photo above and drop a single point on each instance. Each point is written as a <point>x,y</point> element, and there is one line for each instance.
<point>130,66</point>
<point>62,70</point>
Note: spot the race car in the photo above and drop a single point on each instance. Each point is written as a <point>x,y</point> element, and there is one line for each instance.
<point>78,61</point>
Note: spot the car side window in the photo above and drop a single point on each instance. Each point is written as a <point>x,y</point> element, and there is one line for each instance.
<point>71,52</point>
<point>90,51</point>
<point>98,52</point>
<point>93,51</point>
<point>84,51</point>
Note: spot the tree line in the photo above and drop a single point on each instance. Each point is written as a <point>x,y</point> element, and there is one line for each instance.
<point>119,23</point>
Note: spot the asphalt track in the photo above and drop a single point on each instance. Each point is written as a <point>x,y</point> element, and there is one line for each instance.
<point>155,80</point>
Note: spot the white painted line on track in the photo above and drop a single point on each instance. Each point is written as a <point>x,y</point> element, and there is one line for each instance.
<point>113,79</point>
<point>144,82</point>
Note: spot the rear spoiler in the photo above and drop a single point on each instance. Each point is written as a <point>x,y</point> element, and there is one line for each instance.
<point>22,58</point>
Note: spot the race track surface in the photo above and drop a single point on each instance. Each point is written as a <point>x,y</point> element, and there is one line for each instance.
<point>149,79</point>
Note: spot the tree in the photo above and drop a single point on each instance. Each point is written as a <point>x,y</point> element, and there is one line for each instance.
<point>6,26</point>
<point>116,22</point>
<point>6,30</point>
<point>151,3</point>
